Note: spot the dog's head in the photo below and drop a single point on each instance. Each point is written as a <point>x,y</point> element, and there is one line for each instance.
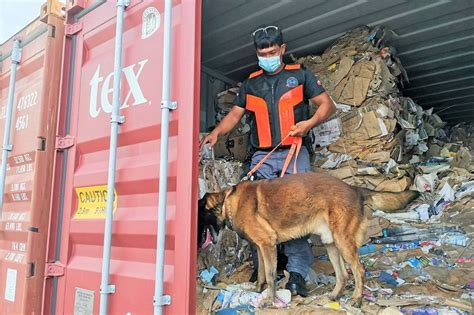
<point>213,203</point>
<point>208,227</point>
<point>211,219</point>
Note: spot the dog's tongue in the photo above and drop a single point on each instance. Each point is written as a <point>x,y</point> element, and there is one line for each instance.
<point>208,239</point>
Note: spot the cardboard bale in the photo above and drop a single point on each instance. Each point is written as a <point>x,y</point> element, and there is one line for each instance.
<point>341,173</point>
<point>326,133</point>
<point>352,90</point>
<point>375,225</point>
<point>394,185</point>
<point>225,100</point>
<point>217,175</point>
<point>235,147</point>
<point>377,157</point>
<point>463,159</point>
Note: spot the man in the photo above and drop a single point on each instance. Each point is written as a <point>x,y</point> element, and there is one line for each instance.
<point>276,99</point>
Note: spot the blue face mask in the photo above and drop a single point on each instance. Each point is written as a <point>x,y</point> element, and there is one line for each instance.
<point>269,64</point>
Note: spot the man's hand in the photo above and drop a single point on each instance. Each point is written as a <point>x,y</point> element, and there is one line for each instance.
<point>301,129</point>
<point>210,138</point>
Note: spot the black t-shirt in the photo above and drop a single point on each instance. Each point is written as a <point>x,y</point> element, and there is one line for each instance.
<point>311,88</point>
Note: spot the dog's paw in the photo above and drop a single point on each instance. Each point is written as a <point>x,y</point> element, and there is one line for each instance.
<point>266,302</point>
<point>333,296</point>
<point>259,287</point>
<point>355,302</point>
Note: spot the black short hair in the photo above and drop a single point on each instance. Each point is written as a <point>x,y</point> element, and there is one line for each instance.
<point>268,38</point>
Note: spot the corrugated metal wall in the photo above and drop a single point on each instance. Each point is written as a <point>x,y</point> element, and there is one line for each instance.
<point>434,40</point>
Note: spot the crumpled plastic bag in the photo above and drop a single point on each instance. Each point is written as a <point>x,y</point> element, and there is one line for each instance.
<point>425,182</point>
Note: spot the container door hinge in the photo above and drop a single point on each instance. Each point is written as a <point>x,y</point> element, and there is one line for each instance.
<point>124,3</point>
<point>117,119</point>
<point>162,300</point>
<point>72,29</point>
<point>171,105</point>
<point>63,143</point>
<point>54,269</point>
<point>110,289</point>
<point>8,147</point>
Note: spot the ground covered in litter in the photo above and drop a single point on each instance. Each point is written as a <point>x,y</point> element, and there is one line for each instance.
<point>411,268</point>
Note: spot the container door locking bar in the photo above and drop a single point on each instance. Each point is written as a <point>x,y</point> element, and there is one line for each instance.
<point>167,105</point>
<point>105,287</point>
<point>7,146</point>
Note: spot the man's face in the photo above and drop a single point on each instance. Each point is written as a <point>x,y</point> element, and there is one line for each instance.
<point>272,51</point>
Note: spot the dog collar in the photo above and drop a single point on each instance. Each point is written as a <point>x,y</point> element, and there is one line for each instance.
<point>229,215</point>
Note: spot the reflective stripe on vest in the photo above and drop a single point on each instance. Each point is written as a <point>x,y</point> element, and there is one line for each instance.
<point>286,111</point>
<point>259,107</point>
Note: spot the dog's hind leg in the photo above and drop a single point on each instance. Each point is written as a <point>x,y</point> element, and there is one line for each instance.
<point>348,249</point>
<point>269,255</point>
<point>343,267</point>
<point>261,271</point>
<point>335,259</point>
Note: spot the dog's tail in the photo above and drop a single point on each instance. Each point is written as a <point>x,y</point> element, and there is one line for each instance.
<point>388,201</point>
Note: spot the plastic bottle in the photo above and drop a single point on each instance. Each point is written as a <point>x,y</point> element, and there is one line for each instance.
<point>367,249</point>
<point>454,239</point>
<point>424,311</point>
<point>388,278</point>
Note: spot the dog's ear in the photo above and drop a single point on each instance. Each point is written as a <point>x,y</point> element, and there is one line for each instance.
<point>214,200</point>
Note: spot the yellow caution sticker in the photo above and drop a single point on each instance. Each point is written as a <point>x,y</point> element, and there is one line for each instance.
<point>92,202</point>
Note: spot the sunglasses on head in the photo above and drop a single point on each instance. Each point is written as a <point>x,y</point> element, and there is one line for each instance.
<point>264,29</point>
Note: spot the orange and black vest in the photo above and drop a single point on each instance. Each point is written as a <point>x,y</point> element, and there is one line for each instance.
<point>275,104</point>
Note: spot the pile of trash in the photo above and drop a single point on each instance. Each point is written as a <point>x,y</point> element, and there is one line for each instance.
<point>419,260</point>
<point>216,173</point>
<point>411,266</point>
<point>224,258</point>
<point>463,133</point>
<point>378,137</point>
<point>224,104</point>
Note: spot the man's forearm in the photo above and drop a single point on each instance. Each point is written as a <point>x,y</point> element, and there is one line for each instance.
<point>321,115</point>
<point>326,108</point>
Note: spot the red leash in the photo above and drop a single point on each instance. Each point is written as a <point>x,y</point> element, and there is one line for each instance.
<point>295,147</point>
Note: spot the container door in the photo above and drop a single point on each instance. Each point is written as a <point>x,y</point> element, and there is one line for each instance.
<point>81,171</point>
<point>25,216</point>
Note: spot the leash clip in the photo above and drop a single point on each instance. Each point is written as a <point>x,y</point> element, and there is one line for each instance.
<point>246,178</point>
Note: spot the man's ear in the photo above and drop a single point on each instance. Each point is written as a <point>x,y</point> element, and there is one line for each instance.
<point>283,49</point>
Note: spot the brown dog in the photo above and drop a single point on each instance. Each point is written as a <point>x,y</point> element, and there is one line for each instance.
<point>269,212</point>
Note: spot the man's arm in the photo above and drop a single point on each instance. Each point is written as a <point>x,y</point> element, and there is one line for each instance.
<point>326,108</point>
<point>226,125</point>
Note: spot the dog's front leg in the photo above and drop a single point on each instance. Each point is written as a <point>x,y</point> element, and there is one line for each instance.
<point>269,255</point>
<point>261,271</point>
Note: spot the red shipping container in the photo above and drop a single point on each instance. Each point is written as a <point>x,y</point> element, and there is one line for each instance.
<point>25,215</point>
<point>77,227</point>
